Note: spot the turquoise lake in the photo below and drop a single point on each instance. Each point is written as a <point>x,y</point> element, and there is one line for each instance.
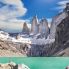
<point>39,63</point>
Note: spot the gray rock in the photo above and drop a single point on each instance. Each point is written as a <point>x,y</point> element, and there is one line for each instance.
<point>13,66</point>
<point>67,67</point>
<point>25,29</point>
<point>43,28</point>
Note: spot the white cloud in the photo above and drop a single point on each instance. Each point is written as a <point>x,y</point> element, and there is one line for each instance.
<point>62,4</point>
<point>9,14</point>
<point>15,10</point>
<point>13,25</point>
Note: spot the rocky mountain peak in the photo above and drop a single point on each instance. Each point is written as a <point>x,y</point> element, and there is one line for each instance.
<point>34,26</point>
<point>44,21</point>
<point>43,28</point>
<point>25,28</point>
<point>35,20</point>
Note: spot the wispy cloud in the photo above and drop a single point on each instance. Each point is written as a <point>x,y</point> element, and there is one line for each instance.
<point>62,4</point>
<point>13,25</point>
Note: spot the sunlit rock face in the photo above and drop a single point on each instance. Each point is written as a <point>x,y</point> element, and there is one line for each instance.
<point>55,22</point>
<point>53,28</point>
<point>34,26</point>
<point>25,29</point>
<point>40,27</point>
<point>62,34</point>
<point>62,38</point>
<point>43,27</point>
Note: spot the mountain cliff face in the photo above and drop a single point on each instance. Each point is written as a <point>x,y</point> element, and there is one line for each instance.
<point>62,35</point>
<point>43,28</point>
<point>56,21</point>
<point>40,27</point>
<point>34,26</point>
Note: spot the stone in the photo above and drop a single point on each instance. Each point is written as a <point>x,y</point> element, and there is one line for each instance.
<point>12,65</point>
<point>67,67</point>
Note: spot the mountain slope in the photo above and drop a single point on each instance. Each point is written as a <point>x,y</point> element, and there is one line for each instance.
<point>8,49</point>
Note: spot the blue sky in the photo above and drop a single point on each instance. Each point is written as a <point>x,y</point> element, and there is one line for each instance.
<point>41,8</point>
<point>13,13</point>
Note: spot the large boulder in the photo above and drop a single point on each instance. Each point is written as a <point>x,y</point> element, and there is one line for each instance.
<point>12,65</point>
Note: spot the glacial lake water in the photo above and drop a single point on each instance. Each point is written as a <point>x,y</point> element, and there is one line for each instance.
<point>39,63</point>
